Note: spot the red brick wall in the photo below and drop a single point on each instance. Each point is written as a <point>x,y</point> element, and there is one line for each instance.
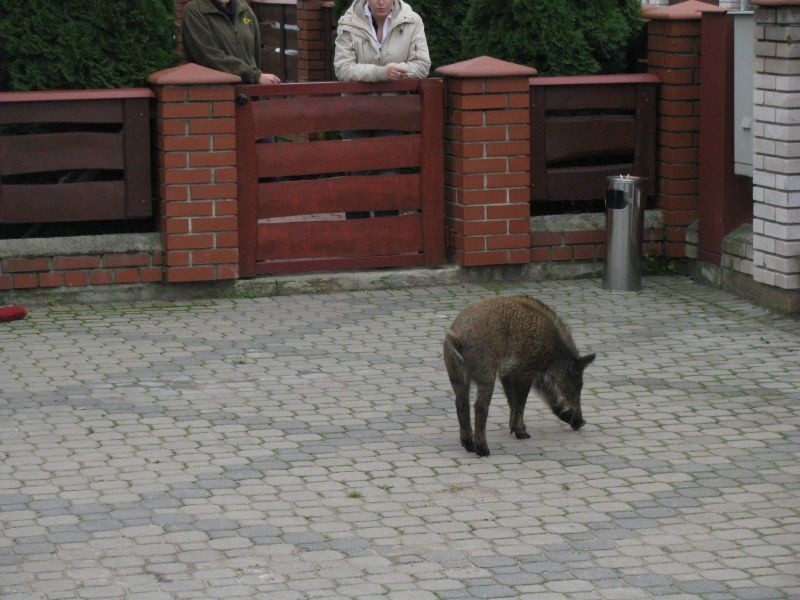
<point>80,270</point>
<point>674,55</point>
<point>196,157</point>
<point>487,170</point>
<point>567,245</point>
<point>312,40</point>
<point>574,244</point>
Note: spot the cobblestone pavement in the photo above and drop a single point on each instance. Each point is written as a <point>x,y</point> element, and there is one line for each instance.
<point>307,447</point>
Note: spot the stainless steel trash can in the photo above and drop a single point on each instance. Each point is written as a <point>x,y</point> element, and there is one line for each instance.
<point>624,226</point>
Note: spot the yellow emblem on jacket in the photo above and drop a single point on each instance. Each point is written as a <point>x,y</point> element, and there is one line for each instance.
<point>247,20</point>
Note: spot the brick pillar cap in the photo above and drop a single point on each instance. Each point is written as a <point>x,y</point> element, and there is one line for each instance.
<point>485,66</point>
<point>685,11</point>
<point>775,2</point>
<point>191,73</point>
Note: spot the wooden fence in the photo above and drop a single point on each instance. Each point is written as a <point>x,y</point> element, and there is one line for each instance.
<point>278,19</point>
<point>75,156</point>
<point>294,192</point>
<point>587,128</point>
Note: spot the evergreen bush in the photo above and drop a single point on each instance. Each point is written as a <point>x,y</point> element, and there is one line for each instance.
<point>83,44</point>
<point>557,37</point>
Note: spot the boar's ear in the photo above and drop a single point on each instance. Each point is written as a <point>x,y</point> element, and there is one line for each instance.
<point>585,361</point>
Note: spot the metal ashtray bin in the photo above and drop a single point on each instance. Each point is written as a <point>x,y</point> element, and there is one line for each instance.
<point>624,226</point>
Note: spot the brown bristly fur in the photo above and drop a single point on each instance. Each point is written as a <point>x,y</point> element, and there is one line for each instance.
<point>523,342</point>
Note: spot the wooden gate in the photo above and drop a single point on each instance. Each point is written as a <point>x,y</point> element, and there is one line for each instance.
<point>298,179</point>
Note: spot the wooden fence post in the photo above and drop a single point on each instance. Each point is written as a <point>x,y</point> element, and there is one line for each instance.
<point>196,166</point>
<point>487,162</point>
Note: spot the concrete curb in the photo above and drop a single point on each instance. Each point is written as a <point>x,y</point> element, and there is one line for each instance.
<point>311,283</point>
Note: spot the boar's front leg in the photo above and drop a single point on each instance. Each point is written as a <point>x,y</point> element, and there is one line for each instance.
<point>517,389</point>
<point>482,401</point>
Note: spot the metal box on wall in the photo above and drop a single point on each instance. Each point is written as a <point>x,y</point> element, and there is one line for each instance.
<point>743,69</point>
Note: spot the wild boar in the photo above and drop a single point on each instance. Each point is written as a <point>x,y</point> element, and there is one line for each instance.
<point>523,342</point>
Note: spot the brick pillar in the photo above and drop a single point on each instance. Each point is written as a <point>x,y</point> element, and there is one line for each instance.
<point>487,162</point>
<point>776,146</point>
<point>196,165</point>
<point>673,54</point>
<point>314,39</point>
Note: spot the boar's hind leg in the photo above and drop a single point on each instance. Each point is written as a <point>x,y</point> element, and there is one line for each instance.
<point>460,380</point>
<point>517,390</point>
<point>482,401</point>
<point>460,383</point>
<point>462,409</point>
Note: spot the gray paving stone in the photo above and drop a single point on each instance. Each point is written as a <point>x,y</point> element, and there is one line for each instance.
<point>306,447</point>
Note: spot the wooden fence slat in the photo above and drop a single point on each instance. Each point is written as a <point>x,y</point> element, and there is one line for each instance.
<point>582,183</point>
<point>303,115</point>
<point>432,171</point>
<point>381,236</point>
<point>331,89</point>
<point>601,97</point>
<point>45,203</point>
<point>272,37</point>
<point>538,149</point>
<point>43,152</point>
<point>301,265</point>
<point>136,158</point>
<point>64,111</point>
<point>583,136</point>
<point>339,194</point>
<point>645,158</point>
<point>337,156</point>
<point>247,190</point>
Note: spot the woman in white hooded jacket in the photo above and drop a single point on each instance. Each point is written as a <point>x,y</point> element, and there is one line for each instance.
<point>381,40</point>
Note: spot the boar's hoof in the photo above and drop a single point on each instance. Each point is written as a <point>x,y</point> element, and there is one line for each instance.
<point>521,434</point>
<point>482,451</point>
<point>469,446</point>
<point>577,424</point>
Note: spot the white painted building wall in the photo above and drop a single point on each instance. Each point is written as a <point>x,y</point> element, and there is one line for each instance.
<point>776,148</point>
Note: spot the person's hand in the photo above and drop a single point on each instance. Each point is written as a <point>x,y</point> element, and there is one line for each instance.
<point>396,72</point>
<point>268,79</point>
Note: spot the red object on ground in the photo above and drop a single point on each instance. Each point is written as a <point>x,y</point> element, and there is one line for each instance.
<point>12,313</point>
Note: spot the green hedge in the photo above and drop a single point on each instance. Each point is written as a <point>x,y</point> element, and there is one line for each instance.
<point>84,44</point>
<point>557,37</point>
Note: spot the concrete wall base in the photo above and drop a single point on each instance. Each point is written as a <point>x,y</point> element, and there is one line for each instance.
<point>735,276</point>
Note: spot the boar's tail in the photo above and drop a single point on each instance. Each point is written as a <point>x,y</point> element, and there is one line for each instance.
<point>454,345</point>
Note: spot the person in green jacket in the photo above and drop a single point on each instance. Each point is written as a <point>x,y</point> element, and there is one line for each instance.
<point>225,35</point>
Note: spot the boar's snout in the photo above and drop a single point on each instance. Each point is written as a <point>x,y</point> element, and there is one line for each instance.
<point>573,417</point>
<point>577,422</point>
